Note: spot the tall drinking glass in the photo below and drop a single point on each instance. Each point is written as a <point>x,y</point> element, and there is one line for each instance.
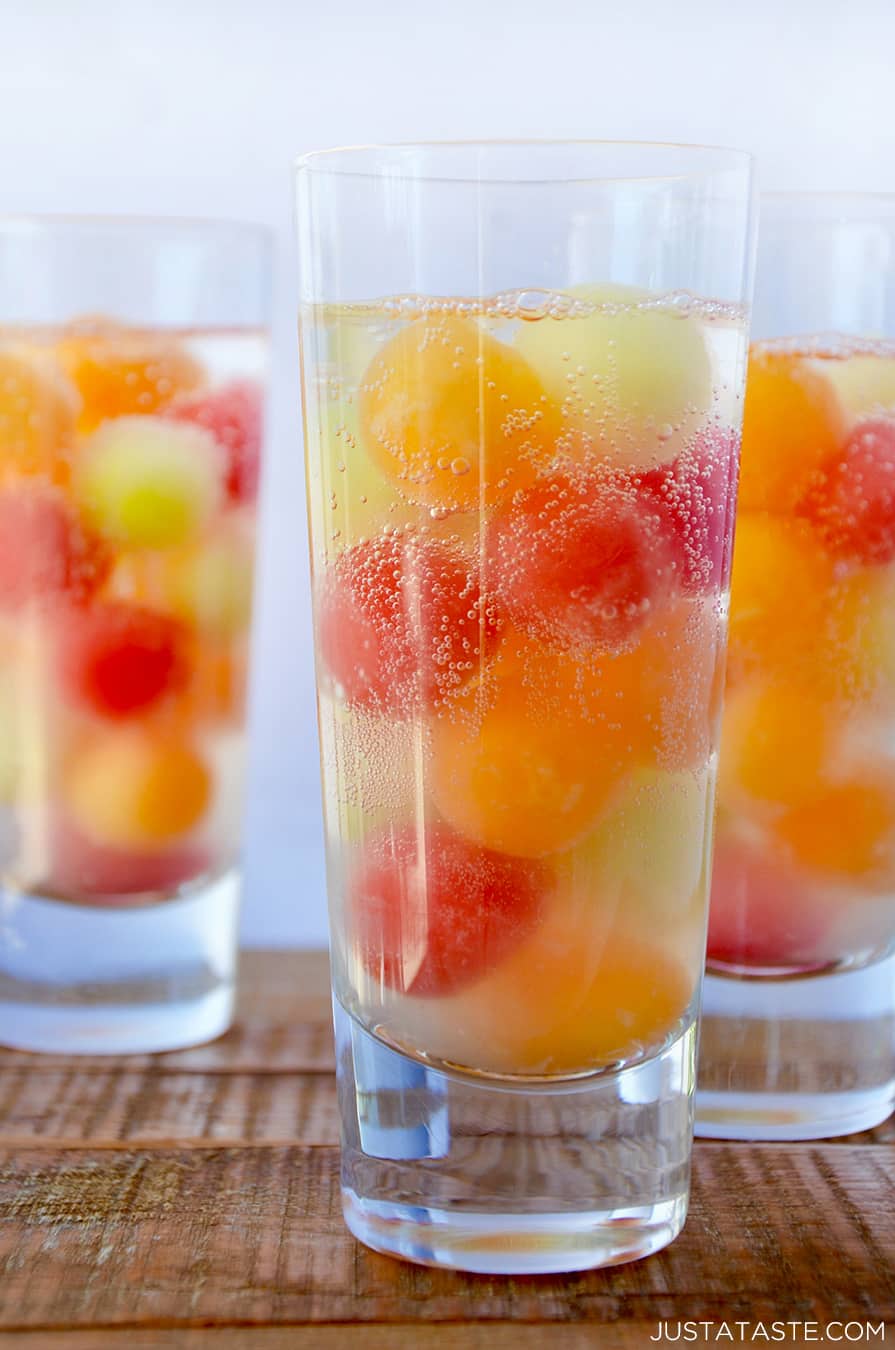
<point>132,368</point>
<point>798,1037</point>
<point>522,372</point>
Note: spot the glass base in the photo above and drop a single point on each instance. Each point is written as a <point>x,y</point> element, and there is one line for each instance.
<point>110,980</point>
<point>504,1178</point>
<point>800,1058</point>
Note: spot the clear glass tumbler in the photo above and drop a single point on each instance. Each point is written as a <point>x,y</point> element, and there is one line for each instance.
<point>798,1037</point>
<point>132,374</point>
<point>522,376</point>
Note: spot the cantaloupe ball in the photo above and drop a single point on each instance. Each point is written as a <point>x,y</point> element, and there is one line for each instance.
<point>792,423</point>
<point>132,791</point>
<point>585,990</point>
<point>120,371</point>
<point>781,583</point>
<point>149,483</point>
<point>454,417</point>
<point>778,745</point>
<point>537,758</point>
<point>847,831</point>
<point>633,381</point>
<point>38,411</point>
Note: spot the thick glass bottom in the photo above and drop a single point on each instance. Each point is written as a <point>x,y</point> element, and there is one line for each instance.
<point>487,1175</point>
<point>799,1058</point>
<point>104,980</point>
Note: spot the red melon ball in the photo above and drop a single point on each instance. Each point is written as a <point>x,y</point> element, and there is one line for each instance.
<point>402,623</point>
<point>852,501</point>
<point>581,561</point>
<point>119,659</point>
<point>234,414</point>
<point>46,551</point>
<point>432,914</point>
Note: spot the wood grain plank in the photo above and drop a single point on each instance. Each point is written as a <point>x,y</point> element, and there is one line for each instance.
<point>59,1108</point>
<point>283,1024</point>
<point>467,1336</point>
<point>255,1236</point>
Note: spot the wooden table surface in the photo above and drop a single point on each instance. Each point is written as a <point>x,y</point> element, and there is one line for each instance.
<point>192,1199</point>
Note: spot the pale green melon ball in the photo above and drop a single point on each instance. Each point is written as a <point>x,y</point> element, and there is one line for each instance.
<point>650,851</point>
<point>148,482</point>
<point>865,384</point>
<point>634,383</point>
<point>210,584</point>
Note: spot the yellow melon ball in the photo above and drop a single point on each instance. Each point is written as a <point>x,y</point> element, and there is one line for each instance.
<point>633,380</point>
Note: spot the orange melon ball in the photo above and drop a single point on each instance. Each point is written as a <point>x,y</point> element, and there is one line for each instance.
<point>779,596</point>
<point>453,416</point>
<point>217,691</point>
<point>678,667</point>
<point>120,371</point>
<point>777,744</point>
<point>536,754</point>
<point>584,991</point>
<point>792,423</point>
<point>131,791</point>
<point>38,411</point>
<point>848,831</point>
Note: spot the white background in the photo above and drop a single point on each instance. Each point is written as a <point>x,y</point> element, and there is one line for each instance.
<point>199,106</point>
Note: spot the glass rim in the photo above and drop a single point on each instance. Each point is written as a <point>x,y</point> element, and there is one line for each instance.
<point>826,195</point>
<point>25,221</point>
<point>321,162</point>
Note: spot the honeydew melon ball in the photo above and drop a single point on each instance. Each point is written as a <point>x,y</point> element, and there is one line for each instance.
<point>210,584</point>
<point>149,483</point>
<point>632,381</point>
<point>865,384</point>
<point>651,850</point>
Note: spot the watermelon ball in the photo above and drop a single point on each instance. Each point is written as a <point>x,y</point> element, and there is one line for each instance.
<point>761,913</point>
<point>120,659</point>
<point>581,561</point>
<point>694,494</point>
<point>148,483</point>
<point>131,791</point>
<point>46,550</point>
<point>233,414</point>
<point>852,503</point>
<point>83,869</point>
<point>431,913</point>
<point>402,623</point>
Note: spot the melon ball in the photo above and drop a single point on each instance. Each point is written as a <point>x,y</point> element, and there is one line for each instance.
<point>128,790</point>
<point>38,411</point>
<point>633,382</point>
<point>148,483</point>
